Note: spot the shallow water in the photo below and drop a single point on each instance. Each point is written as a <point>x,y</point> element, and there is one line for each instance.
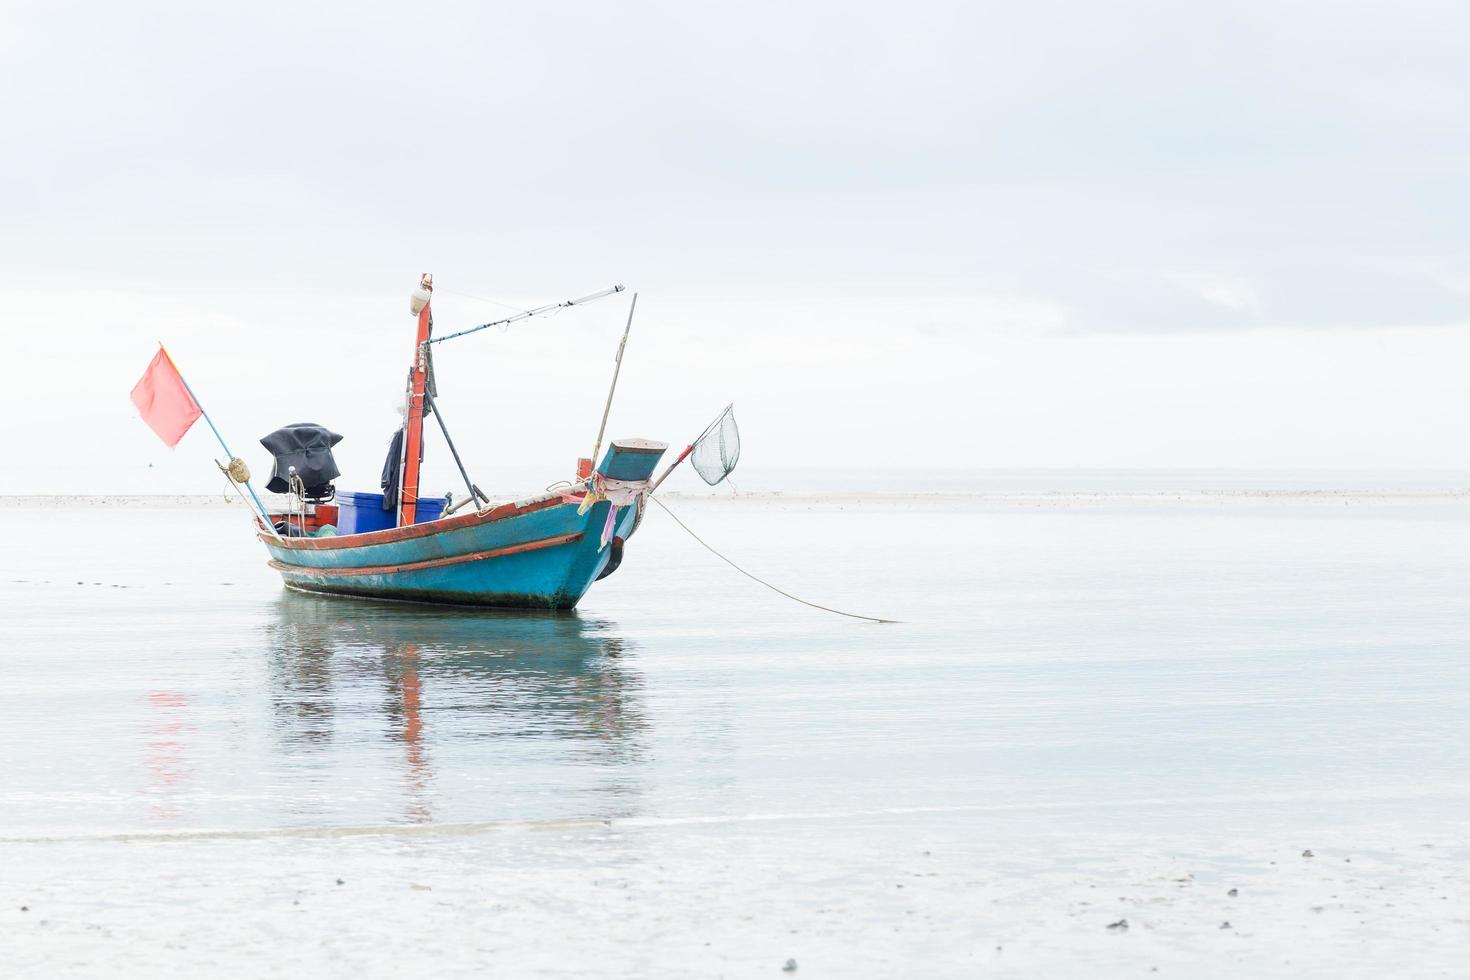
<point>1095,709</point>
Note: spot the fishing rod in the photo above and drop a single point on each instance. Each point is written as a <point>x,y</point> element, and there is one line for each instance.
<point>527,314</point>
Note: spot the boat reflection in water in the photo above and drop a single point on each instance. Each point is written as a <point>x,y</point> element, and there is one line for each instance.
<point>482,715</point>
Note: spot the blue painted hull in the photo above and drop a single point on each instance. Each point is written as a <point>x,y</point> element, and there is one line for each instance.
<point>535,554</point>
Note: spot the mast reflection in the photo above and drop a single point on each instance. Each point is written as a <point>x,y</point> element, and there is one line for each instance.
<point>484,698</point>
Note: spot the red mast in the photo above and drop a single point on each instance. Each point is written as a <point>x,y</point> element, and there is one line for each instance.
<point>413,434</point>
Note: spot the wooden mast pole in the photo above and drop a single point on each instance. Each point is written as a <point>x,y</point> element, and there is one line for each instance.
<point>413,429</point>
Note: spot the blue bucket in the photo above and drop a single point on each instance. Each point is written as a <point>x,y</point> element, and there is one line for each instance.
<point>429,509</point>
<point>358,513</point>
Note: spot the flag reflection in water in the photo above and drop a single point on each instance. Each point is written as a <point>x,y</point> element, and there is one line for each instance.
<point>166,754</point>
<point>478,715</point>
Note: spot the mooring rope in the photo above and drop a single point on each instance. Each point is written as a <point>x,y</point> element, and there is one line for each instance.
<point>710,548</point>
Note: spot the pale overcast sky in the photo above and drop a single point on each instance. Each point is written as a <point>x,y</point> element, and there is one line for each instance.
<point>900,235</point>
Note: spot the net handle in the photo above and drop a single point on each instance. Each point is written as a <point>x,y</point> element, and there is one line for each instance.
<point>665,475</point>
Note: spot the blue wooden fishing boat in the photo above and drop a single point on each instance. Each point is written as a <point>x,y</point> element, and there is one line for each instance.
<point>543,552</point>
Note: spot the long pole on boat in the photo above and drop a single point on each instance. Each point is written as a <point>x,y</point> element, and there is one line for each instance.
<point>212,428</point>
<point>617,369</point>
<point>431,404</point>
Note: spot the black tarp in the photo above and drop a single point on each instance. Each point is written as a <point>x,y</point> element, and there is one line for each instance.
<point>389,482</point>
<point>393,468</point>
<point>308,447</point>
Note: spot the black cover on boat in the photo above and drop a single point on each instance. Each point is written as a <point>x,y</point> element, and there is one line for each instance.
<point>308,447</point>
<point>392,467</point>
<point>389,482</point>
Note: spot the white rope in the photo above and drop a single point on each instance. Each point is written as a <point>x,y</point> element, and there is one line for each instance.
<point>710,548</point>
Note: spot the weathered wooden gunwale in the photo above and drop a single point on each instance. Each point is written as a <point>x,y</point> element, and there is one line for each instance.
<point>513,549</point>
<point>392,534</point>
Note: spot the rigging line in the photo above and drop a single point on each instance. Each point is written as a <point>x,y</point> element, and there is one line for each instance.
<point>527,314</point>
<point>710,548</point>
<point>482,299</point>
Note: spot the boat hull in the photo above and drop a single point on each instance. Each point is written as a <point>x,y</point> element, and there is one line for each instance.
<point>535,554</point>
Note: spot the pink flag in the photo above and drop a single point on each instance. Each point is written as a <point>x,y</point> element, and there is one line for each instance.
<point>164,401</point>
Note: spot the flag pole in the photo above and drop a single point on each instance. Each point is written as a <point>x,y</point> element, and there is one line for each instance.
<point>228,455</point>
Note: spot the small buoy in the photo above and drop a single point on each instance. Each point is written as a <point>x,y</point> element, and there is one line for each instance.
<point>1226,925</point>
<point>1308,853</point>
<point>790,967</point>
<point>1233,892</point>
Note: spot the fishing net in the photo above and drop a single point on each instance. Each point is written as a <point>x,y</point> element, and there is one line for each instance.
<point>718,450</point>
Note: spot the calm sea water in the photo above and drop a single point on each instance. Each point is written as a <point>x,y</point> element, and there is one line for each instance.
<point>1095,710</point>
